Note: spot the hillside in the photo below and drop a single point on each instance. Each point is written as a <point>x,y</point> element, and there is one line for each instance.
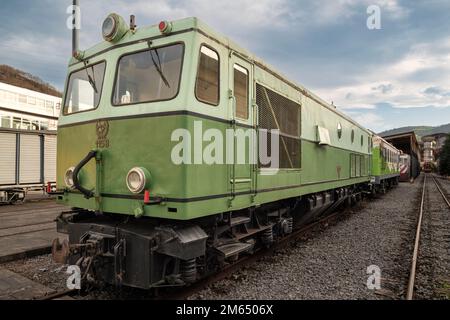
<point>25,80</point>
<point>420,131</point>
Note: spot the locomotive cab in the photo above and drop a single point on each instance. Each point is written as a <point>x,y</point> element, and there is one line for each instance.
<point>125,100</point>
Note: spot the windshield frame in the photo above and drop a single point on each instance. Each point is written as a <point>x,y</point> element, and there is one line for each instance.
<point>66,93</point>
<point>144,50</point>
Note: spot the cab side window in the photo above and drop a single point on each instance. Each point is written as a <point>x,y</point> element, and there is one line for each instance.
<point>207,86</point>
<point>241,91</point>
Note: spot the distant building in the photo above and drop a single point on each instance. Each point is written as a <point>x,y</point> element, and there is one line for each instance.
<point>428,150</point>
<point>406,142</point>
<point>433,146</point>
<point>27,110</point>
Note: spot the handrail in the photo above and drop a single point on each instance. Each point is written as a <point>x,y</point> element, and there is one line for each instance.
<point>76,182</point>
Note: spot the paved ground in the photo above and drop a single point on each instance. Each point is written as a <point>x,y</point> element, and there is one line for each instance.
<point>16,287</point>
<point>27,229</point>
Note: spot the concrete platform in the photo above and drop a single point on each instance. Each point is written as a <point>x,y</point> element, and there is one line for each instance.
<point>28,229</point>
<point>16,287</point>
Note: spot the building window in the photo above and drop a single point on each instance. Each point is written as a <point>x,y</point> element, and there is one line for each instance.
<point>44,125</point>
<point>31,100</point>
<point>353,136</point>
<point>207,86</point>
<point>6,95</point>
<point>17,123</point>
<point>22,98</point>
<point>40,103</point>
<point>35,125</point>
<point>241,91</point>
<point>49,106</point>
<point>5,121</point>
<point>26,124</point>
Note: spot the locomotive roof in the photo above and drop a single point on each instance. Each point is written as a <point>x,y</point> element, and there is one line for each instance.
<point>385,141</point>
<point>194,24</point>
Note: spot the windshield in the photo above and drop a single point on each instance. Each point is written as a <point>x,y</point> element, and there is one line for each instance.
<point>151,75</point>
<point>84,90</point>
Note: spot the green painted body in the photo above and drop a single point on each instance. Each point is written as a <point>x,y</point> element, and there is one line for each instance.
<point>140,136</point>
<point>383,164</point>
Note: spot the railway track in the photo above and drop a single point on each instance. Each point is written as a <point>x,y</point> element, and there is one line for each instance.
<point>413,274</point>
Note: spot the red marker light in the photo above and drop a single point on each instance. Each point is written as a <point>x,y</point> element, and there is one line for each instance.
<point>147,196</point>
<point>165,27</point>
<point>162,26</point>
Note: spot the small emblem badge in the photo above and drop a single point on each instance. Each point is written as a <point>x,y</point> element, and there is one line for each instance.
<point>102,128</point>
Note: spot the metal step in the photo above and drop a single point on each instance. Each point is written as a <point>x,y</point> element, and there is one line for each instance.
<point>235,221</point>
<point>232,249</point>
<point>250,232</point>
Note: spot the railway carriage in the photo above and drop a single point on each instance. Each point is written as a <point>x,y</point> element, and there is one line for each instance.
<point>409,168</point>
<point>148,155</point>
<point>27,163</point>
<point>385,164</point>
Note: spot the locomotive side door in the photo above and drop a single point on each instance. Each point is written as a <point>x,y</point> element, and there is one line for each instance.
<point>243,119</point>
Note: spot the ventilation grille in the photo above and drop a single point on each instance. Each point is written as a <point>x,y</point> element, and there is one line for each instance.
<point>278,112</point>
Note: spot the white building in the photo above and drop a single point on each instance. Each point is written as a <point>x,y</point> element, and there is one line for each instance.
<point>27,110</point>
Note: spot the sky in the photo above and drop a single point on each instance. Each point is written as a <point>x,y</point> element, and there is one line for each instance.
<point>394,76</point>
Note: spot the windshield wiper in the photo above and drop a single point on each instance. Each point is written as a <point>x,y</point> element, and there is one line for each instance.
<point>157,66</point>
<point>91,81</point>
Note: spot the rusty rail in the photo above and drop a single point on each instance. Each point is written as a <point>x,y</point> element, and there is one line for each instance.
<point>57,295</point>
<point>412,273</point>
<point>440,191</point>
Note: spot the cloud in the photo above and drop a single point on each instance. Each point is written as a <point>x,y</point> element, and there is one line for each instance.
<point>384,88</point>
<point>322,44</point>
<point>398,84</point>
<point>436,91</point>
<point>368,119</point>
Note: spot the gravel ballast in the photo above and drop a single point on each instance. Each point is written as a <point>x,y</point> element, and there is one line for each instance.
<point>332,264</point>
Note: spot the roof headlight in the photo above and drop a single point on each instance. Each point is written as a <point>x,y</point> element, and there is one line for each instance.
<point>114,28</point>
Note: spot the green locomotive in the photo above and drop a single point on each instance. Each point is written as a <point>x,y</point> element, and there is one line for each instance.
<point>160,155</point>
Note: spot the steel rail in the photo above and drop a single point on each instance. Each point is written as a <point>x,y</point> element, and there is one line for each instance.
<point>412,274</point>
<point>57,295</point>
<point>441,192</point>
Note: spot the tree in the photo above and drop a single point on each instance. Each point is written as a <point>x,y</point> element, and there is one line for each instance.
<point>444,160</point>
